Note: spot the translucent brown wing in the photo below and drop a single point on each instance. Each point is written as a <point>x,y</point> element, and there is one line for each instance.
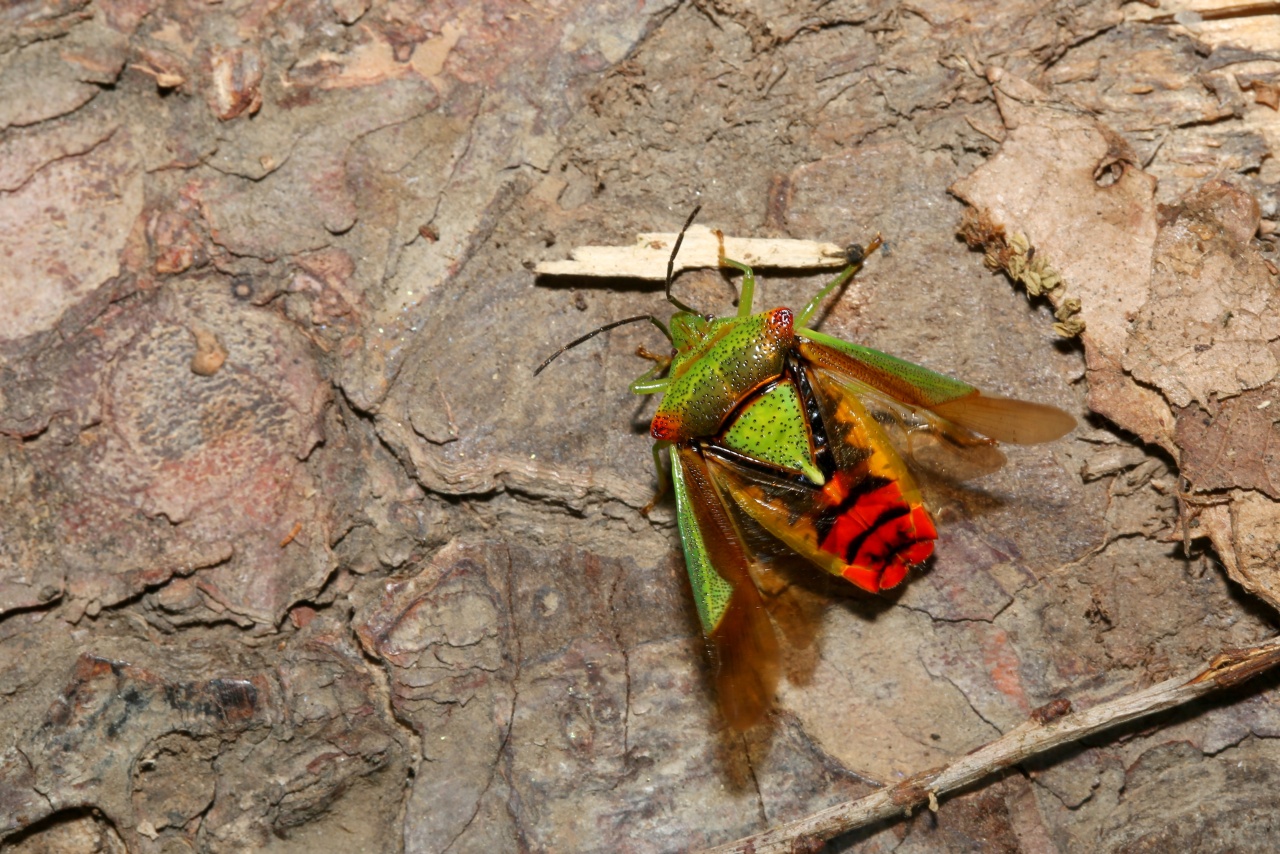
<point>942,424</point>
<point>740,637</point>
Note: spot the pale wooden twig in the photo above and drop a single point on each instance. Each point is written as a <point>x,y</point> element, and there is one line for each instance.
<point>1050,726</point>
<point>647,259</point>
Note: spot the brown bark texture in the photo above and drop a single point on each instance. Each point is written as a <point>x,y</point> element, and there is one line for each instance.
<point>296,554</point>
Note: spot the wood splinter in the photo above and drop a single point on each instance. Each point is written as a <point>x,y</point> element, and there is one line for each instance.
<point>647,259</point>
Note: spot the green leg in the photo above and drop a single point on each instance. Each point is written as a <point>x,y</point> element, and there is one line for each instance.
<point>845,275</point>
<point>649,383</point>
<point>748,285</point>
<point>664,480</point>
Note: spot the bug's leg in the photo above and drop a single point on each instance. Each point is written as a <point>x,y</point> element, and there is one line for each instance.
<point>664,480</point>
<point>651,382</point>
<point>748,285</point>
<point>648,384</point>
<point>845,275</point>
<point>662,361</point>
<point>856,256</point>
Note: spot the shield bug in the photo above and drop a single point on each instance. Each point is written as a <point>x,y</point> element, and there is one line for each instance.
<point>781,434</point>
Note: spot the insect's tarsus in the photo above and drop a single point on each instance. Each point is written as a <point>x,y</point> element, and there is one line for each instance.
<point>855,254</point>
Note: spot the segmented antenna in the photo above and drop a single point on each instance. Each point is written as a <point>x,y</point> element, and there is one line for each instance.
<point>594,332</point>
<point>671,262</point>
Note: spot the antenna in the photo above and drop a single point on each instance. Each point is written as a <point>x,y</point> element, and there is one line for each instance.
<point>671,262</point>
<point>594,332</point>
<point>671,267</point>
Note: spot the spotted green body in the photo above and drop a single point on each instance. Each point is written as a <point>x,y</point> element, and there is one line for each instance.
<point>771,428</point>
<point>716,364</point>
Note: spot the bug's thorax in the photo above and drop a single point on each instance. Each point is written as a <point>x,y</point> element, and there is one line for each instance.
<point>716,363</point>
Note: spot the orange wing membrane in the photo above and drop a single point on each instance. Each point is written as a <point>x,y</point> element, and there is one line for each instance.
<point>967,415</point>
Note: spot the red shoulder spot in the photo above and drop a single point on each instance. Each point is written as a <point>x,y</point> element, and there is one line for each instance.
<point>665,428</point>
<point>782,322</point>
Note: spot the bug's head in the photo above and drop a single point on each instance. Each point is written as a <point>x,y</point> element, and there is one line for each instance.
<point>687,330</point>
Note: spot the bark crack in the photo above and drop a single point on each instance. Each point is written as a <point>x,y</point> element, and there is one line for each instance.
<point>502,751</point>
<point>626,666</point>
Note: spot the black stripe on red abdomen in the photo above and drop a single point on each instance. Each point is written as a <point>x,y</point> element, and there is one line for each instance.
<point>875,531</point>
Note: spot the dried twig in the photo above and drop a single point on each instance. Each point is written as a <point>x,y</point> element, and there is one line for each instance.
<point>1049,727</point>
<point>647,258</point>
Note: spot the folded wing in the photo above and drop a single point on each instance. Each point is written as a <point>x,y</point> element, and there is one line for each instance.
<point>743,646</point>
